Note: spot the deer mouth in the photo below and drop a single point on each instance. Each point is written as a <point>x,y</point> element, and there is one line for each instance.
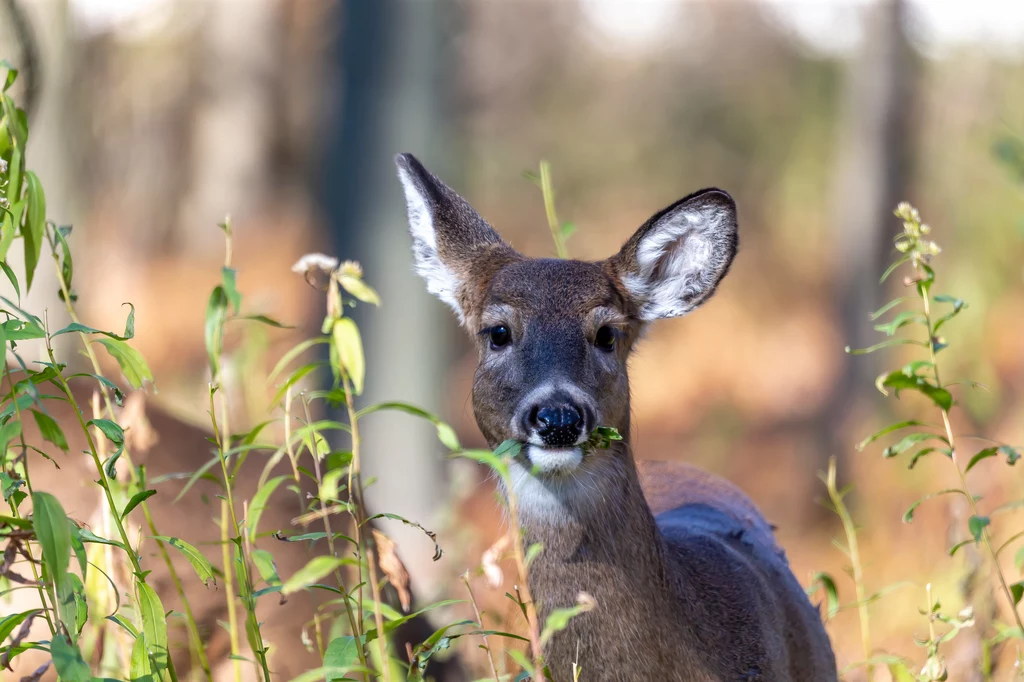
<point>548,461</point>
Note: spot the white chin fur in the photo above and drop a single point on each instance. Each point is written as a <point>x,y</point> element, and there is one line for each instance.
<point>550,460</point>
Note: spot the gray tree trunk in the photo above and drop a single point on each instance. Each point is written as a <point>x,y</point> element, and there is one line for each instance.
<point>393,70</point>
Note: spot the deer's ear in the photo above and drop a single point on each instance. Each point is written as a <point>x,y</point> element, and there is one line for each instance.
<point>673,263</point>
<point>448,237</point>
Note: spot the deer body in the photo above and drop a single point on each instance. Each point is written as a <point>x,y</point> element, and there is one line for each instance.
<point>701,593</point>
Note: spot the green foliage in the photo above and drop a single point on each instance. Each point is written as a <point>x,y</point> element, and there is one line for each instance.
<point>920,327</point>
<point>79,600</point>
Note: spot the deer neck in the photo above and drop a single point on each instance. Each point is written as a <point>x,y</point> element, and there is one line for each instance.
<point>597,521</point>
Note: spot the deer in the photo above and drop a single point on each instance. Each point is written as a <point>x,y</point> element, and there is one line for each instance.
<point>701,592</point>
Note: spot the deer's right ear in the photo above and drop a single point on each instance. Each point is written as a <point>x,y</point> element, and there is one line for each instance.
<point>448,236</point>
<point>673,263</point>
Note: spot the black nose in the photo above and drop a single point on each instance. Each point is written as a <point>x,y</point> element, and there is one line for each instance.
<point>557,425</point>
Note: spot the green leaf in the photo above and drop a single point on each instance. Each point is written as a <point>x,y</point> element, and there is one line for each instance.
<point>129,331</point>
<point>1017,591</point>
<point>486,457</point>
<point>68,661</point>
<point>259,503</point>
<point>71,604</point>
<point>899,381</point>
<point>828,584</point>
<point>9,623</point>
<point>140,668</point>
<point>908,442</point>
<point>521,660</point>
<point>12,278</point>
<point>889,306</point>
<point>264,562</point>
<point>347,343</point>
<point>559,619</point>
<point>88,536</point>
<point>78,546</point>
<point>1011,454</point>
<point>982,454</point>
<point>115,434</point>
<point>908,516</point>
<point>8,485</point>
<point>50,524</point>
<point>901,320</point>
<point>132,364</point>
<point>887,430</point>
<point>359,289</point>
<point>445,433</point>
<point>200,565</point>
<point>313,571</point>
<point>923,452</point>
<point>12,75</point>
<point>885,344</point>
<point>50,430</point>
<point>8,432</point>
<point>342,653</point>
<point>67,265</point>
<point>137,499</point>
<point>216,313</point>
<point>231,288</point>
<point>977,524</point>
<point>154,626</point>
<point>295,352</point>
<point>270,322</point>
<point>900,673</point>
<point>35,225</point>
<point>958,306</point>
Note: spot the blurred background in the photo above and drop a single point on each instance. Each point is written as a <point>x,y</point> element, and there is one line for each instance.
<point>153,119</point>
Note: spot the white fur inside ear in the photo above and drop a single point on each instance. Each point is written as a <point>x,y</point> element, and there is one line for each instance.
<point>679,262</point>
<point>441,280</point>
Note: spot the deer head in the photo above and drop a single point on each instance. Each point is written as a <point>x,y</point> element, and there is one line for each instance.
<point>554,336</point>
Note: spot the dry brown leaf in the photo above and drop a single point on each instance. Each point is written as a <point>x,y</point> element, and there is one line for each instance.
<point>139,434</point>
<point>393,568</point>
<point>490,559</point>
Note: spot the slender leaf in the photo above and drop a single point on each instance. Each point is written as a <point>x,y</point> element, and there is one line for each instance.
<point>200,564</point>
<point>137,499</point>
<point>259,503</point>
<point>132,364</point>
<point>154,627</point>
<point>908,516</point>
<point>50,524</point>
<point>314,570</point>
<point>35,226</point>
<point>348,345</point>
<point>68,661</point>
<point>50,430</point>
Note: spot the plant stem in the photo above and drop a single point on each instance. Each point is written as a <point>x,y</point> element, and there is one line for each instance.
<point>353,622</point>
<point>548,191</point>
<point>985,535</point>
<point>359,512</point>
<point>192,626</point>
<point>229,588</point>
<point>17,514</point>
<point>850,530</point>
<point>480,624</point>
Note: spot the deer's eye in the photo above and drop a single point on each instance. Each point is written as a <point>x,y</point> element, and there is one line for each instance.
<point>499,336</point>
<point>605,338</point>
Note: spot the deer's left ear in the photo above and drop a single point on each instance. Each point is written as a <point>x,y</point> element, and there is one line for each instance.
<point>673,263</point>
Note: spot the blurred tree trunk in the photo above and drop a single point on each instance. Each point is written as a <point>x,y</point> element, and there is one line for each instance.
<point>872,176</point>
<point>233,120</point>
<point>392,68</point>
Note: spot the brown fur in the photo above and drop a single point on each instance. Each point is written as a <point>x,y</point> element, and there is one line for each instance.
<point>702,593</point>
